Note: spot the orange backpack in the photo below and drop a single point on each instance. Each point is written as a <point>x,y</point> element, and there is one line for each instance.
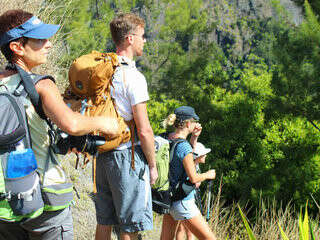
<point>90,78</point>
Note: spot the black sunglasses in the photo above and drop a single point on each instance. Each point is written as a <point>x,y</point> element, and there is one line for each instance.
<point>194,121</point>
<point>144,36</point>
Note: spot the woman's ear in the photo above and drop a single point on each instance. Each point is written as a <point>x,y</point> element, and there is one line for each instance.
<point>16,48</point>
<point>188,124</point>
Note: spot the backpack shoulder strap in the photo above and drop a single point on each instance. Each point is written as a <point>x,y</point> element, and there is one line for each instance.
<point>38,77</point>
<point>174,143</point>
<point>29,86</point>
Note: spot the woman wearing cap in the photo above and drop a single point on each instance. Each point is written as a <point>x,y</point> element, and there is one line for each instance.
<point>24,42</point>
<point>182,168</point>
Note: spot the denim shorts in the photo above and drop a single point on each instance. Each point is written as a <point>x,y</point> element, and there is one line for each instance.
<point>123,194</point>
<point>184,209</point>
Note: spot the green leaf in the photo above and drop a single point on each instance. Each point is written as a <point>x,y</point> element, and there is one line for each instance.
<point>249,231</point>
<point>283,234</point>
<point>311,231</point>
<point>304,225</point>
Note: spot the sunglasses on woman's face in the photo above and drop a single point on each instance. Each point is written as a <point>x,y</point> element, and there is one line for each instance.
<point>194,121</point>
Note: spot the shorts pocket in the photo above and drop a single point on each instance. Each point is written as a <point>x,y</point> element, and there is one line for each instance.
<point>24,194</point>
<point>57,196</point>
<point>140,166</point>
<point>67,228</point>
<point>184,205</point>
<point>66,233</point>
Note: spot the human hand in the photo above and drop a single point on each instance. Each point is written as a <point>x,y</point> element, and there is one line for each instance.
<point>153,175</point>
<point>73,150</point>
<point>110,126</point>
<point>197,130</point>
<point>197,184</point>
<point>211,174</point>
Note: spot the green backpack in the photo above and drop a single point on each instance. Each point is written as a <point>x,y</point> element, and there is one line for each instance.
<point>161,191</point>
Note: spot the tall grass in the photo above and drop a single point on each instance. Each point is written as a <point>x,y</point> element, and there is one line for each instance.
<point>270,222</point>
<point>305,228</point>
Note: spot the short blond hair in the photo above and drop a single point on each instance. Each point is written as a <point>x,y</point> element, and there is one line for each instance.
<point>123,24</point>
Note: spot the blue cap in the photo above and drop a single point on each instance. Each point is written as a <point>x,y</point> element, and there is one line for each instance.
<point>33,28</point>
<point>186,112</point>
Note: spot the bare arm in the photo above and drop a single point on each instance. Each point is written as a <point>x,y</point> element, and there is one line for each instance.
<point>146,137</point>
<point>190,168</point>
<point>71,122</point>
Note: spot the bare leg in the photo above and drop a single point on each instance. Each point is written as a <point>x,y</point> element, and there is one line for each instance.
<point>188,232</point>
<point>169,226</point>
<point>199,227</point>
<point>103,232</point>
<point>183,231</point>
<point>180,235</point>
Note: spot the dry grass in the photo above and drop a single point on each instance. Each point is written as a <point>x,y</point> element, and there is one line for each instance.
<point>83,209</point>
<point>227,224</point>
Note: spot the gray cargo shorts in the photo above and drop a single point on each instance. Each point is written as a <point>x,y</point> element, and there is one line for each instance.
<point>123,195</point>
<point>55,225</point>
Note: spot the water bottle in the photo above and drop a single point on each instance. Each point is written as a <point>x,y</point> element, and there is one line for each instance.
<point>21,162</point>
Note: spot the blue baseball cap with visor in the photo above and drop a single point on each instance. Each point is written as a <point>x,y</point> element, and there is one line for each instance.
<point>33,28</point>
<point>185,113</point>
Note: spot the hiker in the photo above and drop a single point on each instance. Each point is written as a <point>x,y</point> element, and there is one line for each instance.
<point>183,170</point>
<point>123,192</point>
<point>24,41</point>
<point>199,153</point>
